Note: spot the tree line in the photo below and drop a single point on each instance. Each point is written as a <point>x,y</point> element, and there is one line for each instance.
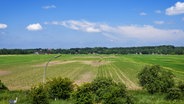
<point>164,49</point>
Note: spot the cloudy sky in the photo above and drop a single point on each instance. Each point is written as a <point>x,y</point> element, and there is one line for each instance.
<point>90,23</point>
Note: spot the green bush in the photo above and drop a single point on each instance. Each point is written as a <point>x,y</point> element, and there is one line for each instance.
<point>2,86</point>
<point>60,88</point>
<point>155,79</point>
<point>99,84</point>
<point>104,91</point>
<point>173,94</point>
<point>38,95</point>
<point>181,87</point>
<point>113,94</point>
<point>83,95</point>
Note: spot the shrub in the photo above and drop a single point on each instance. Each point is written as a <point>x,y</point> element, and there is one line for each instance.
<point>83,95</point>
<point>181,87</point>
<point>100,83</point>
<point>103,91</point>
<point>173,94</point>
<point>108,92</point>
<point>38,95</point>
<point>2,86</point>
<point>60,88</point>
<point>154,79</point>
<point>113,94</point>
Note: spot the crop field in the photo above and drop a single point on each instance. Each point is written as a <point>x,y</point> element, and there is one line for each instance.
<point>20,72</point>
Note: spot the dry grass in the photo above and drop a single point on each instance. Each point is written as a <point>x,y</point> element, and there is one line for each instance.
<point>84,78</point>
<point>3,72</point>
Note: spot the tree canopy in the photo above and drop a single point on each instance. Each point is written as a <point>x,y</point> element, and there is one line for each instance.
<point>164,49</point>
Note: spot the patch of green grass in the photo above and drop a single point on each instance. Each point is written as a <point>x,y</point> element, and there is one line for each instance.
<point>143,97</point>
<point>23,97</point>
<point>173,63</point>
<point>139,96</point>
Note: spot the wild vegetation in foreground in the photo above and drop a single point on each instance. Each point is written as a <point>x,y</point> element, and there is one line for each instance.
<point>100,90</point>
<point>20,72</point>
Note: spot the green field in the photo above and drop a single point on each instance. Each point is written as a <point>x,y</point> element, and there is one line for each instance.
<point>20,72</point>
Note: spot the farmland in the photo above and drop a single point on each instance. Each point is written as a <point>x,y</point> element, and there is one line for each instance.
<point>20,72</point>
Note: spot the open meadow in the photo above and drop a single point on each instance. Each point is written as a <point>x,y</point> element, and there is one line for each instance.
<point>20,72</point>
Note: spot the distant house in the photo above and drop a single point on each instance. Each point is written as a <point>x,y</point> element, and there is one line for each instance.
<point>36,53</point>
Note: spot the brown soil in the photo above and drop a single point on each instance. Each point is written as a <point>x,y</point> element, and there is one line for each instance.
<point>92,63</point>
<point>3,72</point>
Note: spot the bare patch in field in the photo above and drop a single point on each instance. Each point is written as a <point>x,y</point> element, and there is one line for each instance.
<point>54,63</point>
<point>3,72</point>
<point>95,63</point>
<point>84,78</point>
<point>92,63</point>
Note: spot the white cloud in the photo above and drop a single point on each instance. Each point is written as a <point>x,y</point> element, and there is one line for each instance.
<point>159,22</point>
<point>149,32</point>
<point>49,7</point>
<point>142,14</point>
<point>34,27</point>
<point>78,25</point>
<point>3,26</point>
<point>177,9</point>
<point>158,11</point>
<point>132,31</point>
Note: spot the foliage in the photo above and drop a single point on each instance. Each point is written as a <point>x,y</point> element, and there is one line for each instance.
<point>140,97</point>
<point>102,90</point>
<point>113,94</point>
<point>164,49</point>
<point>107,91</point>
<point>60,88</point>
<point>100,83</point>
<point>181,87</point>
<point>2,86</point>
<point>173,94</point>
<point>154,79</point>
<point>83,95</point>
<point>38,95</point>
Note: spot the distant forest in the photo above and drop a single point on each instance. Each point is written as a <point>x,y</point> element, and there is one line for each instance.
<point>164,49</point>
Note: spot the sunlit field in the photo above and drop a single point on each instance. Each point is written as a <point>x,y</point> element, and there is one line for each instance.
<point>20,72</point>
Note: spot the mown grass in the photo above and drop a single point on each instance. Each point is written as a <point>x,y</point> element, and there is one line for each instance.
<point>173,63</point>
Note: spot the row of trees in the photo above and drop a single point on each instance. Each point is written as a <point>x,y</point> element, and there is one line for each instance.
<point>165,49</point>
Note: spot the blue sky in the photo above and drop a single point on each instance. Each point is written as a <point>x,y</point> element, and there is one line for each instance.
<point>90,23</point>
